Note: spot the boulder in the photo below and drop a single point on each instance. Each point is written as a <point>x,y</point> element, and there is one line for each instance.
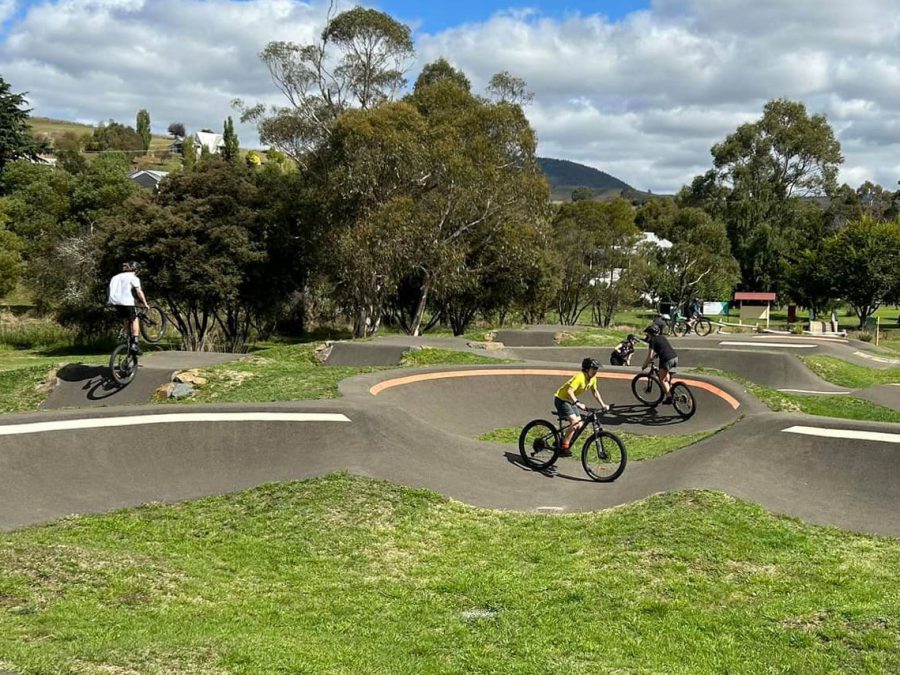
<point>487,346</point>
<point>181,390</point>
<point>164,392</point>
<point>323,351</point>
<point>191,376</point>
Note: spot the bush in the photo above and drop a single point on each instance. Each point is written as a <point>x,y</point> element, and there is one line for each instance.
<point>865,336</point>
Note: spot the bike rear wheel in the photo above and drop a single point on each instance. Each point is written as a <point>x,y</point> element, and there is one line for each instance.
<point>703,327</point>
<point>123,365</point>
<point>603,457</point>
<point>680,329</point>
<point>539,444</point>
<point>683,400</point>
<point>647,389</point>
<point>153,325</point>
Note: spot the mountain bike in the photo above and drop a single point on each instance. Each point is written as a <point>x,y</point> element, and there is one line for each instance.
<point>603,455</point>
<point>647,388</point>
<point>698,323</point>
<point>123,363</point>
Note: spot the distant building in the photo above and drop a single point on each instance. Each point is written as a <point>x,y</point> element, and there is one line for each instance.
<point>147,179</point>
<point>210,140</point>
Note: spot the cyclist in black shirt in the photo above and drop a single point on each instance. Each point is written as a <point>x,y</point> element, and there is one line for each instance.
<point>668,359</point>
<point>621,355</point>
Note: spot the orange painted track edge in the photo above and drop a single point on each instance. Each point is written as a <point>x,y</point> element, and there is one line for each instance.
<point>448,374</point>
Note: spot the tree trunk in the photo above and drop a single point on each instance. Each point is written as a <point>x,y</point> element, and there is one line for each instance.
<point>416,325</point>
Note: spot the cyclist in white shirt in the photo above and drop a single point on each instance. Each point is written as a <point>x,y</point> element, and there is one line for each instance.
<point>122,289</point>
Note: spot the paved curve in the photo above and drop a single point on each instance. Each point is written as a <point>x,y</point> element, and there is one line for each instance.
<point>85,385</point>
<point>420,434</point>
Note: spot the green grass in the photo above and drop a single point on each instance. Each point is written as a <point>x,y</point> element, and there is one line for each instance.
<point>292,372</point>
<point>430,356</point>
<point>346,574</point>
<point>593,337</point>
<point>844,407</point>
<point>639,446</point>
<point>850,375</point>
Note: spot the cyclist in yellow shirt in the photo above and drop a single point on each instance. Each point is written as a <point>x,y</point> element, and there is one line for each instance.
<point>567,403</point>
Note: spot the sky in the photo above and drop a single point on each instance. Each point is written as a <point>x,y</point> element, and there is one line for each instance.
<point>639,89</point>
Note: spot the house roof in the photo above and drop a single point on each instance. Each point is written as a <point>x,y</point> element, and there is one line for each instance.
<point>147,178</point>
<point>770,297</point>
<point>209,140</point>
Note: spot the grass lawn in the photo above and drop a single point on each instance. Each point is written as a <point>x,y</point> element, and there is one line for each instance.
<point>346,574</point>
<point>23,370</point>
<point>850,375</point>
<point>845,407</point>
<point>594,337</point>
<point>638,446</point>
<point>292,372</point>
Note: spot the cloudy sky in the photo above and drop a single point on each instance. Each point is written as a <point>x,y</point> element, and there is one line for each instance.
<point>638,88</point>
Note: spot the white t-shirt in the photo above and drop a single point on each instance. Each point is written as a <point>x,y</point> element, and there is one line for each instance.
<point>120,289</point>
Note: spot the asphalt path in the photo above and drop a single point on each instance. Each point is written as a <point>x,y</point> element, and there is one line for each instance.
<point>420,431</point>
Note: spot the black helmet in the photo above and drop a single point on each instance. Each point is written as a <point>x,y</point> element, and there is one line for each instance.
<point>590,363</point>
<point>131,266</point>
<point>633,337</point>
<point>653,329</point>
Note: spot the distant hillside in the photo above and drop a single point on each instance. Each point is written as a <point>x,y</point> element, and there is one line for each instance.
<point>564,176</point>
<point>50,129</point>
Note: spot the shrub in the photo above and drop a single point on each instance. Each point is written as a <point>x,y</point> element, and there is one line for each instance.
<point>865,336</point>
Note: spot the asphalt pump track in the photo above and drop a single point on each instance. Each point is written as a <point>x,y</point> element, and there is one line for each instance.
<point>419,428</point>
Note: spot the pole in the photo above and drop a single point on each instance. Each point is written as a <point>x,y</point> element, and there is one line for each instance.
<point>877,328</point>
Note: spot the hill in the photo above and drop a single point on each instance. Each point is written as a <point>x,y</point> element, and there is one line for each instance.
<point>564,176</point>
<point>50,129</point>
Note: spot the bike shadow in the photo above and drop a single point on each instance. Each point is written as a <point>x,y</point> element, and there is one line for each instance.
<point>641,414</point>
<point>96,380</point>
<point>552,471</point>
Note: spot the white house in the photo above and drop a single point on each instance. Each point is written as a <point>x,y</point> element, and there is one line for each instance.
<point>210,140</point>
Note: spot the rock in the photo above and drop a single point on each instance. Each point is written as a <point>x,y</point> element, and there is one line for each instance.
<point>323,351</point>
<point>490,336</point>
<point>191,376</point>
<point>164,392</point>
<point>487,346</point>
<point>49,382</point>
<point>181,390</point>
<point>562,336</point>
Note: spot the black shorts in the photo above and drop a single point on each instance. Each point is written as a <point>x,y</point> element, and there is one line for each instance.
<point>565,408</point>
<point>615,359</point>
<point>128,312</point>
<point>671,364</point>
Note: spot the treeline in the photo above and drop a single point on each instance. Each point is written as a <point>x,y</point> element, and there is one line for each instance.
<point>430,208</point>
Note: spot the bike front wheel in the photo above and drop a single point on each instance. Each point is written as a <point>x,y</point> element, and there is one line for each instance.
<point>680,329</point>
<point>703,327</point>
<point>683,400</point>
<point>539,444</point>
<point>123,365</point>
<point>647,389</point>
<point>153,325</point>
<point>603,457</point>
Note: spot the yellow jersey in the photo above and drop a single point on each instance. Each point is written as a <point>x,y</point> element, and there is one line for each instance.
<point>579,383</point>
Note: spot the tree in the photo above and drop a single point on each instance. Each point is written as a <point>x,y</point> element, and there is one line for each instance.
<point>596,241</point>
<point>861,260</point>
<point>10,256</point>
<point>581,194</point>
<point>113,136</point>
<point>219,245</point>
<point>760,169</point>
<point>188,154</point>
<point>68,150</point>
<point>506,88</point>
<point>231,148</point>
<point>358,62</point>
<point>177,130</point>
<point>143,128</point>
<point>16,141</point>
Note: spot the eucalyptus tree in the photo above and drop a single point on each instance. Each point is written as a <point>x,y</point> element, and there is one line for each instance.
<point>16,141</point>
<point>358,61</point>
<point>759,169</point>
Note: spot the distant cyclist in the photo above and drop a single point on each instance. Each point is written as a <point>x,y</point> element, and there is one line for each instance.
<point>123,288</point>
<point>668,359</point>
<point>621,355</point>
<point>567,403</point>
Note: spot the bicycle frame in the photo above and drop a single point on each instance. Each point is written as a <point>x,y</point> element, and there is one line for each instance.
<point>588,420</point>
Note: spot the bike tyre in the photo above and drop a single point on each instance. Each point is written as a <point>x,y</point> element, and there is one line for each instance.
<point>683,400</point>
<point>603,457</point>
<point>153,328</point>
<point>680,329</point>
<point>703,327</point>
<point>123,365</point>
<point>528,441</point>
<point>647,389</point>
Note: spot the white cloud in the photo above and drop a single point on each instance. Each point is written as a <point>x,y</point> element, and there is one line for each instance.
<point>643,98</point>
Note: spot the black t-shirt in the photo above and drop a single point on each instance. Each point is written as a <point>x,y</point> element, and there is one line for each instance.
<point>660,346</point>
